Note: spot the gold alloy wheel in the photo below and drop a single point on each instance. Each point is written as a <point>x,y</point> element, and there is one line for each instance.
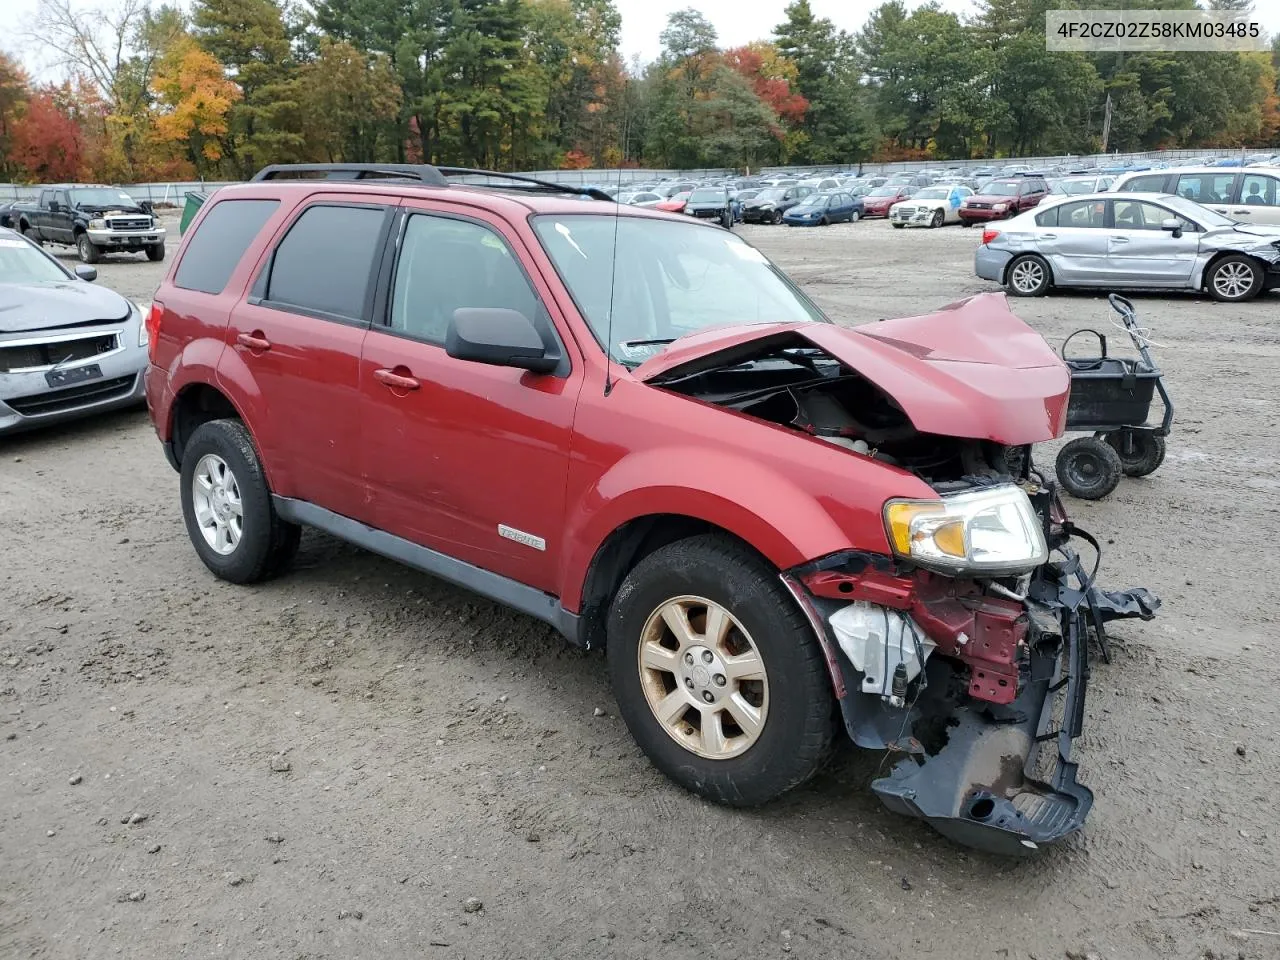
<point>703,677</point>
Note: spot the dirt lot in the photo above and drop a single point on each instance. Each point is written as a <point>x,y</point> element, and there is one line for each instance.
<point>438,748</point>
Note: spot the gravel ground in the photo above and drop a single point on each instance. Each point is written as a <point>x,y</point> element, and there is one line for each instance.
<point>359,761</point>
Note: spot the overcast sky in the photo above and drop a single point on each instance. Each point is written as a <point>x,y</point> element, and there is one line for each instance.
<point>737,21</point>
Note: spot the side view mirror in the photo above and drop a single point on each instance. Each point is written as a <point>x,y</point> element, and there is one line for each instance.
<point>1173,225</point>
<point>55,206</point>
<point>146,207</point>
<point>87,273</point>
<point>497,336</point>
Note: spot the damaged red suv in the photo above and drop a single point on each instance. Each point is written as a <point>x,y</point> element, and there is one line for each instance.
<point>634,427</point>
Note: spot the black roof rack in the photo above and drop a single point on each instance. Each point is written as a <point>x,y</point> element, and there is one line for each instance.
<point>422,172</point>
<point>522,182</point>
<point>355,171</point>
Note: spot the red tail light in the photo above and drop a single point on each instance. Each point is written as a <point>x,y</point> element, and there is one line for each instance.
<point>988,235</point>
<point>153,328</point>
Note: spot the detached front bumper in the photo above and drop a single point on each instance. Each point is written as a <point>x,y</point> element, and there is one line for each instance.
<point>984,733</point>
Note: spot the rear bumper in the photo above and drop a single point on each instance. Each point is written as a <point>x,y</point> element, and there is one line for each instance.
<point>989,264</point>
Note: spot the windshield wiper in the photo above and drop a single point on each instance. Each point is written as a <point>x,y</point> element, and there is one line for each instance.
<point>653,341</point>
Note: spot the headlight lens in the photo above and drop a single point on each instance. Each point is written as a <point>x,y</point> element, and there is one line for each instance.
<point>97,224</point>
<point>143,338</point>
<point>1000,206</point>
<point>993,530</point>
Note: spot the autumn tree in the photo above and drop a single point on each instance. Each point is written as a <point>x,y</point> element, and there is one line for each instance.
<point>46,142</point>
<point>350,102</point>
<point>13,99</point>
<point>194,98</point>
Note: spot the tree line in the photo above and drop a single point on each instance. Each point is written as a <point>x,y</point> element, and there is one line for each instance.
<point>156,92</point>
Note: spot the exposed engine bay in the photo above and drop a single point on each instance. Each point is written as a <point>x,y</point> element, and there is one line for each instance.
<point>975,681</point>
<point>795,384</point>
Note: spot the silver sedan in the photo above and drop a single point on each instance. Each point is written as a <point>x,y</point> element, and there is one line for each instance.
<point>67,348</point>
<point>1128,240</point>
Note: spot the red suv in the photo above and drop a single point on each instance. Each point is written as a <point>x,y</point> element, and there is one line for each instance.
<point>1002,198</point>
<point>634,427</point>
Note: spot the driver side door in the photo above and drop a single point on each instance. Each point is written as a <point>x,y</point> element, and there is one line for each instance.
<point>1144,254</point>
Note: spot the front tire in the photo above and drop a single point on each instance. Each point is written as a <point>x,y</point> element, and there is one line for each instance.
<point>89,251</point>
<point>155,252</point>
<point>1234,278</point>
<point>227,506</point>
<point>855,217</point>
<point>1027,276</point>
<point>938,219</point>
<point>1089,468</point>
<point>717,673</point>
<point>899,226</point>
<point>776,218</point>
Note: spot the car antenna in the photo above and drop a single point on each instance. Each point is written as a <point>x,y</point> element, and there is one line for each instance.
<point>613,263</point>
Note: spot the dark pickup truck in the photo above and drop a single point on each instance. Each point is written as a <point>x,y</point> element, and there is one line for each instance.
<point>93,219</point>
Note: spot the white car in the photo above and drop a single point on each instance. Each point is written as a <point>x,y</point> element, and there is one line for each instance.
<point>930,207</point>
<point>645,198</point>
<point>1245,194</point>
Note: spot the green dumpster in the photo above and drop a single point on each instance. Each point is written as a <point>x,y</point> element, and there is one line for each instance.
<point>194,202</point>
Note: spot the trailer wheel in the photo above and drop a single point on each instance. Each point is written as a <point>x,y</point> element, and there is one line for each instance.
<point>1141,454</point>
<point>1089,468</point>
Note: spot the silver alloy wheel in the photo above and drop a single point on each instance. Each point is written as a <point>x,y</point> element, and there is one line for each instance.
<point>215,497</point>
<point>1026,276</point>
<point>703,677</point>
<point>1233,280</point>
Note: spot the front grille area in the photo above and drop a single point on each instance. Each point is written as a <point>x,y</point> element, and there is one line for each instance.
<point>55,401</point>
<point>980,206</point>
<point>129,223</point>
<point>47,354</point>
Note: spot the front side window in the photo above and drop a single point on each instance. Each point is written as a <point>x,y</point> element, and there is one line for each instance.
<point>324,262</point>
<point>1137,215</point>
<point>664,280</point>
<point>1258,190</point>
<point>448,264</point>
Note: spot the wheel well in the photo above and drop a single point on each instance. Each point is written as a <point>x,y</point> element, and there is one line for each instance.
<point>196,405</point>
<point>618,555</point>
<point>1222,255</point>
<point>77,230</point>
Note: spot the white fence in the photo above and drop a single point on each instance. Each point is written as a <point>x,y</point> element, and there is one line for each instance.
<point>175,193</point>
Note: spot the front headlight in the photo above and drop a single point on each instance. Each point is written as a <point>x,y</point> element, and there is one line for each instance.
<point>1000,206</point>
<point>135,313</point>
<point>993,530</point>
<point>97,224</point>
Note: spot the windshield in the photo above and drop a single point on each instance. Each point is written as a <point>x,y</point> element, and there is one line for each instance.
<point>884,192</point>
<point>20,262</point>
<point>812,202</point>
<point>101,197</point>
<point>664,280</point>
<point>932,193</point>
<point>773,193</point>
<point>1202,215</point>
<point>1001,188</point>
<point>706,196</point>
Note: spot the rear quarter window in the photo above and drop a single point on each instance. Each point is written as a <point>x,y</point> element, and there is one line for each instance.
<point>219,241</point>
<point>1151,184</point>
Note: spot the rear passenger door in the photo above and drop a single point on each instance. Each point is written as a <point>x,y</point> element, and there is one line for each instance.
<point>467,459</point>
<point>1073,237</point>
<point>297,338</point>
<point>1257,199</point>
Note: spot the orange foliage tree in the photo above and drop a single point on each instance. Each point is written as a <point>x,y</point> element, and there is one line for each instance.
<point>46,141</point>
<point>194,97</point>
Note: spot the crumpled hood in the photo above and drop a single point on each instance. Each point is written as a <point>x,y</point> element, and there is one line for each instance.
<point>1257,239</point>
<point>46,306</point>
<point>972,369</point>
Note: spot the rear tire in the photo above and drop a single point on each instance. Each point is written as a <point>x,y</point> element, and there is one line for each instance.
<point>1027,276</point>
<point>787,690</point>
<point>1089,468</point>
<point>265,545</point>
<point>155,252</point>
<point>25,230</point>
<point>1146,453</point>
<point>966,223</point>
<point>89,251</point>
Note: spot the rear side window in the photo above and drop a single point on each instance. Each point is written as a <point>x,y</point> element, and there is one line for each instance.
<point>1206,187</point>
<point>323,264</point>
<point>219,242</point>
<point>1150,184</point>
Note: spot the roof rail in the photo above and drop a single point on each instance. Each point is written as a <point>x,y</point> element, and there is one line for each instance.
<point>533,183</point>
<point>355,171</point>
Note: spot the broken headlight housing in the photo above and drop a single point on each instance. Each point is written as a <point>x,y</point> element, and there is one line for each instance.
<point>992,531</point>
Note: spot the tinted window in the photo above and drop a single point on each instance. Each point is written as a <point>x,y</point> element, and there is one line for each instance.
<point>1151,184</point>
<point>219,242</point>
<point>1082,213</point>
<point>324,261</point>
<point>1047,218</point>
<point>450,264</point>
<point>1205,187</point>
<point>1259,191</point>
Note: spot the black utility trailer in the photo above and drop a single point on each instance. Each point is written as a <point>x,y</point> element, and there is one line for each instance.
<point>1111,398</point>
